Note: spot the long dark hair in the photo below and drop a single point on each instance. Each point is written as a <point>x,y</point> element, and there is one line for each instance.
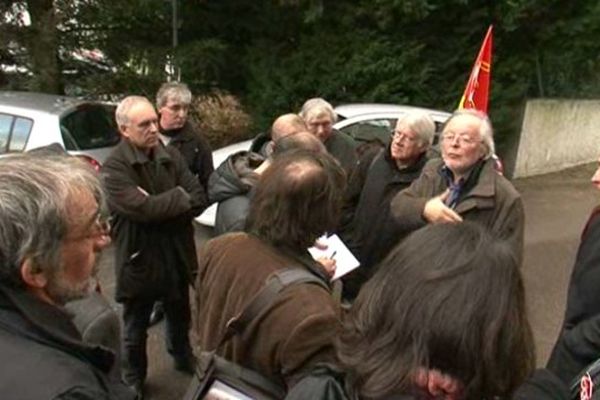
<point>297,199</point>
<point>449,297</point>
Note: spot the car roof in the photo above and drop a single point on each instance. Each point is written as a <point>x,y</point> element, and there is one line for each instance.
<point>43,102</point>
<point>352,110</point>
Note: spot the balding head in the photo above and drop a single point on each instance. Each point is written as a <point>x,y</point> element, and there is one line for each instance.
<point>302,140</point>
<point>287,124</point>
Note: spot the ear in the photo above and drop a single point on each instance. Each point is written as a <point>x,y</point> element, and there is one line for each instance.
<point>124,130</point>
<point>269,148</point>
<point>31,275</point>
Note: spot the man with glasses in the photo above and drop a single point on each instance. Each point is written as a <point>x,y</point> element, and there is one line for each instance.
<point>153,197</point>
<point>464,184</point>
<point>375,181</point>
<point>54,226</point>
<point>173,101</point>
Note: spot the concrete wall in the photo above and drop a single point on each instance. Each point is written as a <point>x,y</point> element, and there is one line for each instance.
<point>557,134</point>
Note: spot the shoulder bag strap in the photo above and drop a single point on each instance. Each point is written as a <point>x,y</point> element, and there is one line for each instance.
<point>264,299</point>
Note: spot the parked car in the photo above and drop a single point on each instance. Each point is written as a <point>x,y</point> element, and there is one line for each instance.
<point>84,128</point>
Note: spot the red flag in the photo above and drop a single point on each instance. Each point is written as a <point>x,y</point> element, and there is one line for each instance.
<point>476,93</point>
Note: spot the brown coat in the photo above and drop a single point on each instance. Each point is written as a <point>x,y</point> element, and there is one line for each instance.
<point>297,331</point>
<point>493,202</point>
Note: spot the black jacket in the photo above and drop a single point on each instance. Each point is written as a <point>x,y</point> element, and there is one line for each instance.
<point>579,341</point>
<point>43,356</point>
<point>230,186</point>
<point>195,150</point>
<point>153,203</point>
<point>373,232</point>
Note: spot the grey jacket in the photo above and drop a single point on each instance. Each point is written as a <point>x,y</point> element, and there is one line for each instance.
<point>230,185</point>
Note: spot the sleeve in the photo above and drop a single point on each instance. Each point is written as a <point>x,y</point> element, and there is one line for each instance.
<point>191,185</point>
<point>126,198</point>
<point>543,384</point>
<point>204,160</point>
<point>576,348</point>
<point>513,227</point>
<point>407,206</point>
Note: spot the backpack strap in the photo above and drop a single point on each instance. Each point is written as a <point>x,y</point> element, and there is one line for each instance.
<point>265,298</point>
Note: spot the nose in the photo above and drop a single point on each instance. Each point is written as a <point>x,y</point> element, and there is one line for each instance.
<point>596,178</point>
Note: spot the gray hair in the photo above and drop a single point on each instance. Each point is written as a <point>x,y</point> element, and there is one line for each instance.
<point>125,106</point>
<point>316,107</point>
<point>173,90</point>
<point>421,124</point>
<point>486,132</point>
<point>34,214</point>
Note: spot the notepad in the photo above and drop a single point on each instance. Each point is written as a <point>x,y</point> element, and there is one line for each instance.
<point>336,249</point>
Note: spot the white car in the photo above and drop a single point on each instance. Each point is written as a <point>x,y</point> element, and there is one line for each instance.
<point>84,128</point>
<point>363,122</point>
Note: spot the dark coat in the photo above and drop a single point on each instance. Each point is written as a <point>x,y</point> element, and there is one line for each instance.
<point>373,232</point>
<point>579,341</point>
<point>297,331</point>
<point>492,202</point>
<point>195,150</point>
<point>43,356</point>
<point>230,186</point>
<point>153,203</point>
<point>343,148</point>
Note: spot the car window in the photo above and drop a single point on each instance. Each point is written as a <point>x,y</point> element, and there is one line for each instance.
<point>372,129</point>
<point>90,126</point>
<point>6,122</point>
<point>20,134</point>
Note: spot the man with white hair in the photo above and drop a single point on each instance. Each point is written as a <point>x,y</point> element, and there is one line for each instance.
<point>320,117</point>
<point>153,197</point>
<point>463,184</point>
<point>375,181</point>
<point>53,226</point>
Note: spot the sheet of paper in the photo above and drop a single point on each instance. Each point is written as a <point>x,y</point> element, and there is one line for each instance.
<point>336,249</point>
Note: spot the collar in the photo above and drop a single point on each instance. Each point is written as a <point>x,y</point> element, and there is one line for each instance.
<point>178,135</point>
<point>30,317</point>
<point>134,155</point>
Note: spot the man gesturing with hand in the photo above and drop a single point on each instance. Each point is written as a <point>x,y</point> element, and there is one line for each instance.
<point>463,185</point>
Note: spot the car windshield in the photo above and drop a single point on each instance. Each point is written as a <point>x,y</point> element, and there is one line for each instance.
<point>89,126</point>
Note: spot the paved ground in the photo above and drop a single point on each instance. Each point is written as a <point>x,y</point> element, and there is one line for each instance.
<point>556,208</point>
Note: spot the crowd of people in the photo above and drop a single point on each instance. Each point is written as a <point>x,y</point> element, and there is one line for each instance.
<point>435,311</point>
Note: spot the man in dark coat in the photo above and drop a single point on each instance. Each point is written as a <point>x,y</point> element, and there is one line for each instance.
<point>173,101</point>
<point>53,227</point>
<point>153,197</point>
<point>463,184</point>
<point>372,232</point>
<point>579,341</point>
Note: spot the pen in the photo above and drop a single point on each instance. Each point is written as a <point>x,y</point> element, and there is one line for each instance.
<point>333,254</point>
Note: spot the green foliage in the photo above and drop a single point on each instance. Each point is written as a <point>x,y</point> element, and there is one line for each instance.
<point>273,55</point>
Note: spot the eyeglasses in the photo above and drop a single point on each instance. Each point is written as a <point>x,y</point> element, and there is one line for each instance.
<point>460,138</point>
<point>100,226</point>
<point>176,108</point>
<point>402,136</point>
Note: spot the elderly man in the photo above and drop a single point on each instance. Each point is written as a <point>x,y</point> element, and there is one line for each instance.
<point>320,117</point>
<point>54,226</point>
<point>153,197</point>
<point>372,233</point>
<point>173,101</point>
<point>463,184</point>
<point>284,125</point>
<point>297,200</point>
